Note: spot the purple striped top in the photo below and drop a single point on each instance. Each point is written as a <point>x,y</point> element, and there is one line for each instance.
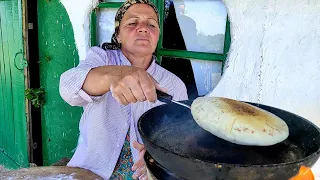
<point>104,122</point>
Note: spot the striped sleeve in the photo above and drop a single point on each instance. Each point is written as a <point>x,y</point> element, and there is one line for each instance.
<point>172,83</point>
<point>71,81</point>
<point>180,93</point>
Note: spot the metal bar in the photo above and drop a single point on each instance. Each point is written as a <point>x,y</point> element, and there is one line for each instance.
<point>191,55</point>
<point>93,28</point>
<point>160,5</point>
<point>110,4</point>
<point>227,42</point>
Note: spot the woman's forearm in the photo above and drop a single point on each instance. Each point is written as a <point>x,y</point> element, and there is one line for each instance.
<point>98,80</point>
<point>128,84</point>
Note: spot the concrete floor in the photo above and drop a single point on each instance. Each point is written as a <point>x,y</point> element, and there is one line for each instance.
<point>2,169</point>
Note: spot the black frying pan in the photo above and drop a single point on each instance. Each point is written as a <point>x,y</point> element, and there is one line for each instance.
<point>176,142</point>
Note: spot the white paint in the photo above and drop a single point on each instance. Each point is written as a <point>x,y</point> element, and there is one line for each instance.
<point>79,14</point>
<point>275,56</point>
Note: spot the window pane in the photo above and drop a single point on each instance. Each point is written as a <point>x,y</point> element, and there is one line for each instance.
<point>199,80</point>
<point>195,25</point>
<point>182,68</point>
<point>105,24</point>
<point>207,75</point>
<point>188,26</point>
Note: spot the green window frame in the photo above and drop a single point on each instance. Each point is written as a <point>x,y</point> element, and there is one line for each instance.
<point>160,51</point>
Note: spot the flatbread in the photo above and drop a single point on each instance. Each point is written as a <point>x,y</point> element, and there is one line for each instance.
<point>238,122</point>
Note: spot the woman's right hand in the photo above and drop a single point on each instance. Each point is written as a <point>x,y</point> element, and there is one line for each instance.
<point>131,84</point>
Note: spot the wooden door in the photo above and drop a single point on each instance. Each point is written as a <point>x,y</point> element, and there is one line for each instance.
<point>13,121</point>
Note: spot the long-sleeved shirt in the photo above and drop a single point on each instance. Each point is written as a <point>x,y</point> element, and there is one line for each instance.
<point>105,122</point>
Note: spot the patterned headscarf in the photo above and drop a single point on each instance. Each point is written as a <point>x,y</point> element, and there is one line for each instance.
<point>119,15</point>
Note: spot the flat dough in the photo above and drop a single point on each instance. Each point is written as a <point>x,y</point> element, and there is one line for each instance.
<point>238,122</point>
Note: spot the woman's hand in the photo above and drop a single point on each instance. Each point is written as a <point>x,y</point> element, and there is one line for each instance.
<point>127,84</point>
<point>139,167</point>
<point>131,84</point>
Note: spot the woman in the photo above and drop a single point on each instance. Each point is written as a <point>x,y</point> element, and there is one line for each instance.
<point>116,85</point>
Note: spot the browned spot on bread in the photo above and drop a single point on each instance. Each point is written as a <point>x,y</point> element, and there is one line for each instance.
<point>254,118</point>
<point>240,107</point>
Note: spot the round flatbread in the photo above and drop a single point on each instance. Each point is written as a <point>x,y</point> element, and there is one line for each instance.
<point>238,122</point>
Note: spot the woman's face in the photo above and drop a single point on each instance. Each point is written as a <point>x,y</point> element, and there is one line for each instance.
<point>139,30</point>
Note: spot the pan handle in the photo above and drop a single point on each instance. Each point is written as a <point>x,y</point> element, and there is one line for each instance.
<point>164,97</point>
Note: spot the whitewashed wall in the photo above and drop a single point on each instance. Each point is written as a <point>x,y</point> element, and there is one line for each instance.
<point>275,56</point>
<point>79,14</point>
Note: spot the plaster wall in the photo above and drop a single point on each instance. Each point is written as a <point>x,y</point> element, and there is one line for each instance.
<point>274,58</point>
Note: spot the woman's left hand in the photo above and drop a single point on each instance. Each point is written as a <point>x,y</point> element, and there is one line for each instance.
<point>139,167</point>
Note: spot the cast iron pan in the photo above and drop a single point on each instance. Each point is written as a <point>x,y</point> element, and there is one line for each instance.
<point>175,141</point>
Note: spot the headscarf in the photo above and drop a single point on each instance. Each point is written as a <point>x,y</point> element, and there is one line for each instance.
<point>119,15</point>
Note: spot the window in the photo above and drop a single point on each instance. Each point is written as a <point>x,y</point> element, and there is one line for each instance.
<point>194,40</point>
<point>105,24</point>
